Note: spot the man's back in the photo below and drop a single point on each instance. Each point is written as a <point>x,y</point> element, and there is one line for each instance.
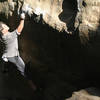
<point>11,42</point>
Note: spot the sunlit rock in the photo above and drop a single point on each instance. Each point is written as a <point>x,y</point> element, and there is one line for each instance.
<point>48,9</point>
<point>88,19</point>
<point>86,94</point>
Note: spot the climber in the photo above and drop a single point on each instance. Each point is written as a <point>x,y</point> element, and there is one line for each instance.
<point>11,53</point>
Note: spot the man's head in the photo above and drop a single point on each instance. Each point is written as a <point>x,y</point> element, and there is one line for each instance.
<point>3,28</point>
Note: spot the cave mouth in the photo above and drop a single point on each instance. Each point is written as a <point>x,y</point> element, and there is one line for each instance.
<point>69,13</point>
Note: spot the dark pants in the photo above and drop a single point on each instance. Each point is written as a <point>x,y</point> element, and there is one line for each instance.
<point>17,60</point>
<point>21,66</point>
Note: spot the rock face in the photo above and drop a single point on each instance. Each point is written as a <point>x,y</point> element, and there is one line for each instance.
<point>60,63</point>
<point>48,9</point>
<point>88,19</point>
<point>85,95</point>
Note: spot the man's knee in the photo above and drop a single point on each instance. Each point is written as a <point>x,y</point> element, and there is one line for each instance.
<point>28,71</point>
<point>20,62</point>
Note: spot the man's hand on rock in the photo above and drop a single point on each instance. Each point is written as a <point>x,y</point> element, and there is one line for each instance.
<point>22,16</point>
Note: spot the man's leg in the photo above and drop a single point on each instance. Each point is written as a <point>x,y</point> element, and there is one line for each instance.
<point>21,67</point>
<point>18,62</point>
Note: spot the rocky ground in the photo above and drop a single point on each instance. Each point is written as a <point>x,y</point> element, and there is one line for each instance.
<point>86,94</point>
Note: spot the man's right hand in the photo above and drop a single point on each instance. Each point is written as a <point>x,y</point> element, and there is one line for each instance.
<point>22,16</point>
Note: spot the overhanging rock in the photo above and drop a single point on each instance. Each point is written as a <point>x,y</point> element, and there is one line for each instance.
<point>88,20</point>
<point>49,9</point>
<point>86,94</point>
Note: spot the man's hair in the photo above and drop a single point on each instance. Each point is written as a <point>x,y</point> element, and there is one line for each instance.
<point>1,26</point>
<point>2,42</point>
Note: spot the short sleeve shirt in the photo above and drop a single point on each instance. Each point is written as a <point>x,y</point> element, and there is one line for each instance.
<point>11,42</point>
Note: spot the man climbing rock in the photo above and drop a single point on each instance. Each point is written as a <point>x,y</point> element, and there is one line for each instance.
<point>11,53</point>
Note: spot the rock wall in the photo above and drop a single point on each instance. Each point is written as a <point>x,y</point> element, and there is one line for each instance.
<point>88,20</point>
<point>48,9</point>
<point>60,63</point>
<point>86,94</point>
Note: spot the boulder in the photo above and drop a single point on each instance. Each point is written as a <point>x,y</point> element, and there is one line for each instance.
<point>86,94</point>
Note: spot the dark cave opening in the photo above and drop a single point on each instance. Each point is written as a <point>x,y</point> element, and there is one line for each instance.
<point>69,13</point>
<point>60,64</point>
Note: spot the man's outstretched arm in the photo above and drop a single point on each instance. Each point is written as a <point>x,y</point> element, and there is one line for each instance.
<point>21,25</point>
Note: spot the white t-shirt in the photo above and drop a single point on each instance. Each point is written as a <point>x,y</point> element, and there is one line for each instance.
<point>11,42</point>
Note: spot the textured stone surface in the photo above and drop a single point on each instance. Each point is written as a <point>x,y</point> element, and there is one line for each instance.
<point>60,63</point>
<point>88,19</point>
<point>49,9</point>
<point>86,94</point>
